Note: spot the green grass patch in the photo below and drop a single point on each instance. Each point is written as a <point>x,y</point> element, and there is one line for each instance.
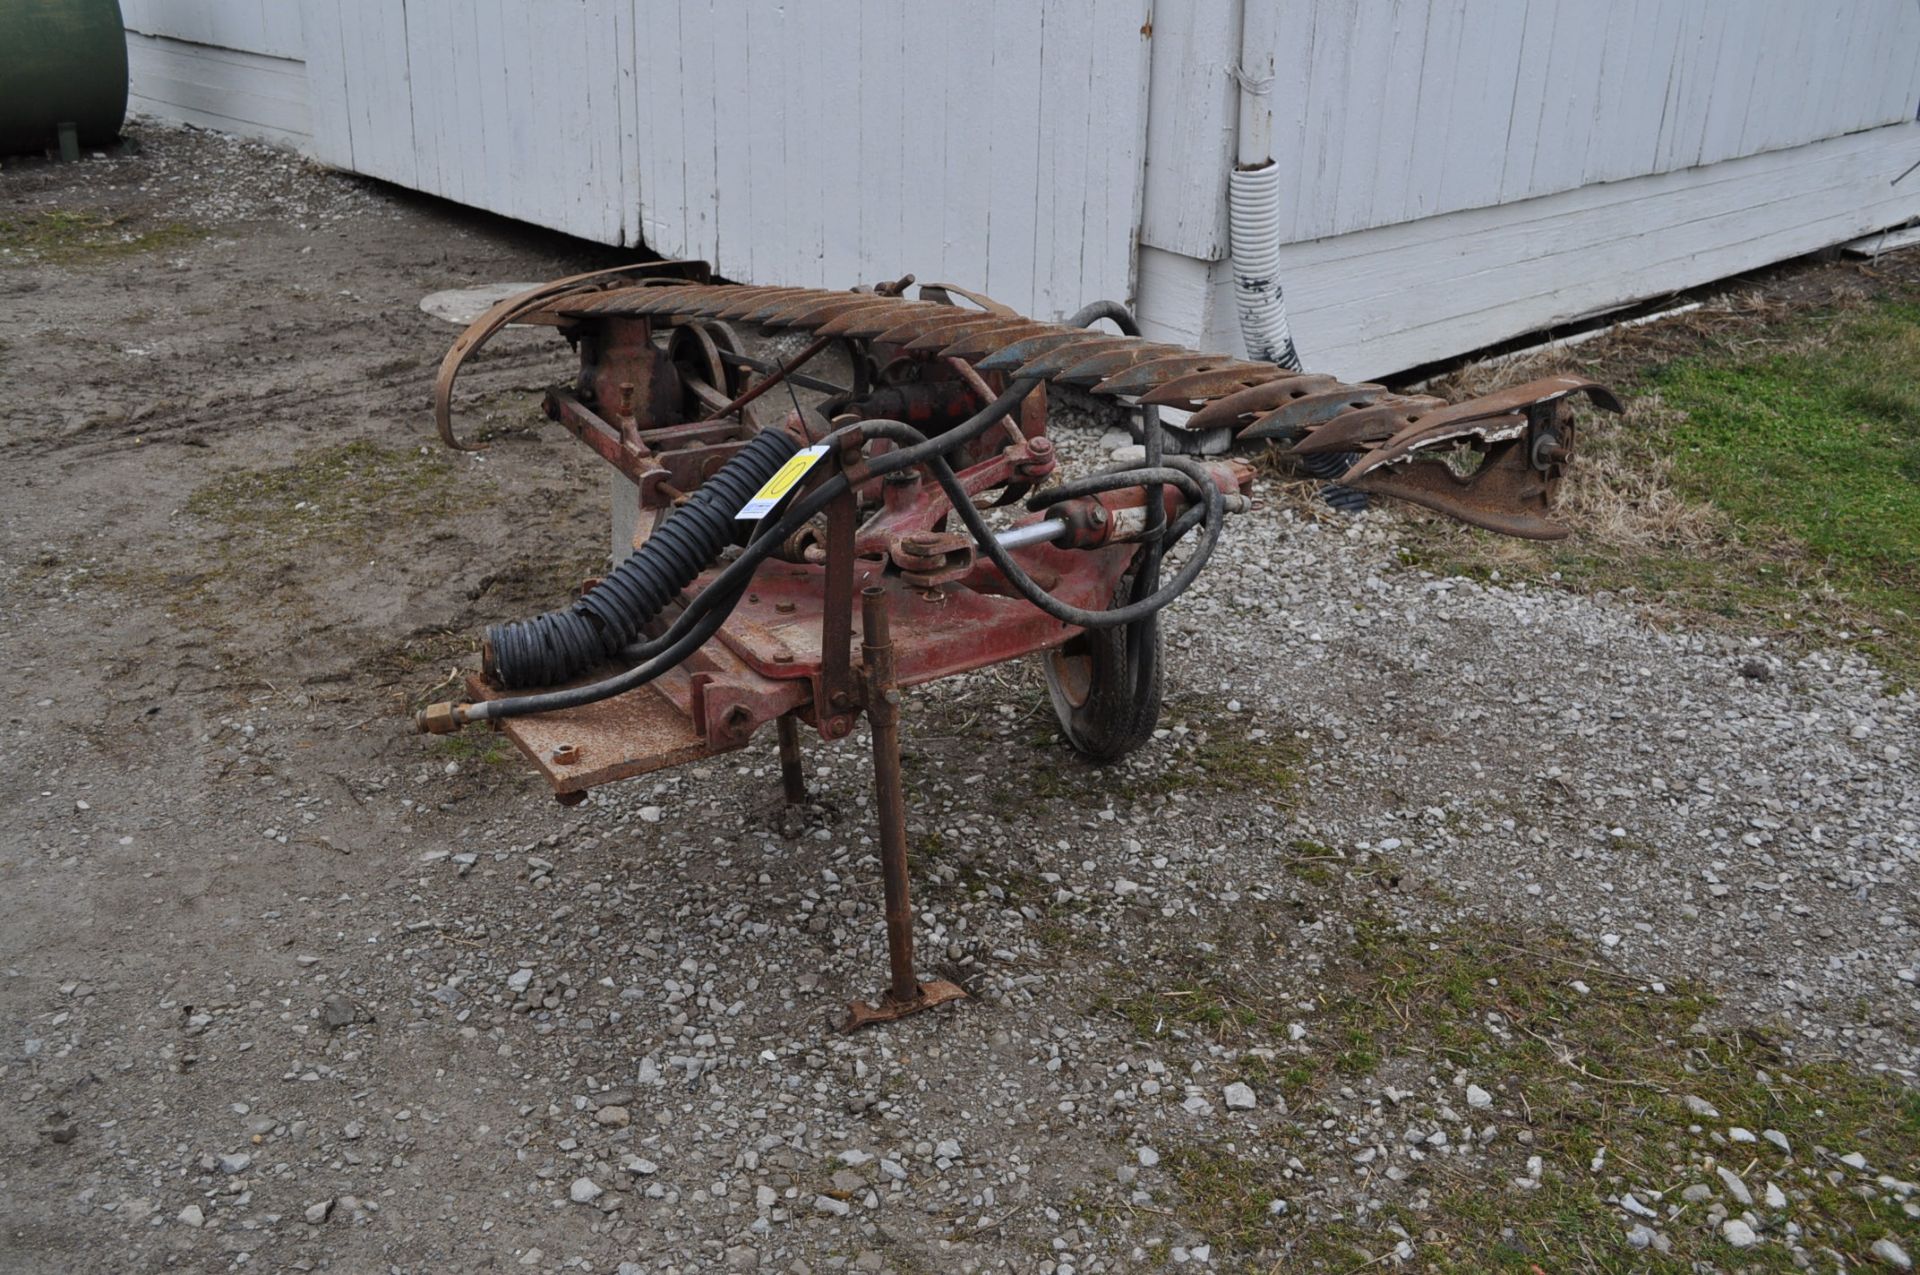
<point>485,747</point>
<point>349,493</point>
<point>1584,1061</point>
<point>1219,755</point>
<point>1772,480</point>
<point>1821,442</point>
<point>63,237</point>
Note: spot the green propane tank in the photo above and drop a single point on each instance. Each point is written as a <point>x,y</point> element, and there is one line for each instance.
<point>61,62</point>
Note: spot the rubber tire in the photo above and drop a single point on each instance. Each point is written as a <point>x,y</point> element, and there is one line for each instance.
<point>1087,680</point>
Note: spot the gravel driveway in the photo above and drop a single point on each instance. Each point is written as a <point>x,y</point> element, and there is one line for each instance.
<point>287,988</point>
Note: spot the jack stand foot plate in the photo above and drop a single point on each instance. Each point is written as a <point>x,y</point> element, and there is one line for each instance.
<point>936,992</point>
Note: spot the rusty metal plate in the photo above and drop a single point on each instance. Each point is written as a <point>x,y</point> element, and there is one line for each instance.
<point>579,748</point>
<point>1506,494</point>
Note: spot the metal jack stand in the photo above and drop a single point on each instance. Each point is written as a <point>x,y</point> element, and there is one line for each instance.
<point>905,993</point>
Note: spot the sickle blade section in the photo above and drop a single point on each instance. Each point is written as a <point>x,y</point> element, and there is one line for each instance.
<point>1150,374</point>
<point>779,308</point>
<point>741,307</point>
<point>1198,388</point>
<point>1308,410</point>
<point>848,320</point>
<point>1093,371</point>
<point>1020,353</point>
<point>1367,427</point>
<point>1245,405</point>
<point>926,317</point>
<point>1061,357</point>
<point>815,315</point>
<point>980,344</point>
<point>932,341</point>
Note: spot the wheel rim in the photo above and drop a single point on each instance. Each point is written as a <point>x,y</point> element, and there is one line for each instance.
<point>1072,669</point>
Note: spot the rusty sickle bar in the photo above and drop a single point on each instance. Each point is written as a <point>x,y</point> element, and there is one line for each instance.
<point>1523,437</point>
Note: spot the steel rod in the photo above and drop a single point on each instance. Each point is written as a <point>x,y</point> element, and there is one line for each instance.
<point>791,777</point>
<point>883,713</point>
<point>776,374</point>
<point>1034,533</point>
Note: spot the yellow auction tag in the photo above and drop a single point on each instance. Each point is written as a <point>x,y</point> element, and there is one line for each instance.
<point>783,482</point>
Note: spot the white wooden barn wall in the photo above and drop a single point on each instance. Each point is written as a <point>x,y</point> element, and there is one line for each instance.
<point>1393,110</point>
<point>1462,170</point>
<point>1382,300</point>
<point>1388,111</point>
<point>822,143</point>
<point>234,65</point>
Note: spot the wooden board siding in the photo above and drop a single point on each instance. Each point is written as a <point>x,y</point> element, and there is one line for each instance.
<point>232,65</point>
<point>220,88</point>
<point>270,28</point>
<point>1394,110</point>
<point>1389,298</point>
<point>1390,111</point>
<point>999,146</point>
<point>1459,170</point>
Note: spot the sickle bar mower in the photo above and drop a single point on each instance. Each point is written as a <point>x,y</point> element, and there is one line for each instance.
<point>764,524</point>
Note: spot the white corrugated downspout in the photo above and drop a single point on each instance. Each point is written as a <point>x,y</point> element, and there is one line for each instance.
<point>1253,197</point>
<point>1253,227</point>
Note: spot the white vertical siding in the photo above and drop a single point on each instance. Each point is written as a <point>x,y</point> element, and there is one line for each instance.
<point>1191,117</point>
<point>267,27</point>
<point>998,146</point>
<point>233,65</point>
<point>1054,151</point>
<point>520,108</point>
<point>1383,300</point>
<point>1392,110</point>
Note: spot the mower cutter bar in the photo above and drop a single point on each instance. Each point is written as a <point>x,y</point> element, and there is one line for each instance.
<point>1524,434</point>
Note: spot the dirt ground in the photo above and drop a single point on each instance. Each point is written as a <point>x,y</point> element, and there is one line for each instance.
<point>285,987</point>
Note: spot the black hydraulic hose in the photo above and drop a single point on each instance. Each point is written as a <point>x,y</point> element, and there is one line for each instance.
<point>657,657</point>
<point>1112,311</point>
<point>1146,572</point>
<point>565,643</point>
<point>1189,477</point>
<point>663,652</point>
<point>709,609</point>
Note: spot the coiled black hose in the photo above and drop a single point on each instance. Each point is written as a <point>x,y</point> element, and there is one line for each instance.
<point>1324,465</point>
<point>563,644</point>
<point>708,609</point>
